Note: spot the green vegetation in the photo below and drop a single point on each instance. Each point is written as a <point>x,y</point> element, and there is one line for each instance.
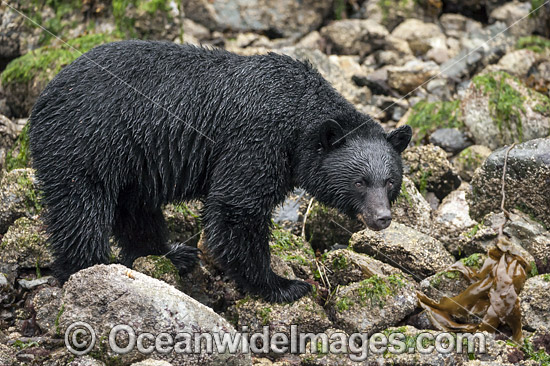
<point>505,102</point>
<point>546,277</point>
<point>534,43</point>
<point>539,355</point>
<point>19,344</point>
<point>534,270</point>
<point>536,4</point>
<point>263,314</point>
<point>284,242</point>
<point>474,261</point>
<point>428,116</point>
<point>339,8</point>
<point>423,183</point>
<point>182,208</point>
<point>469,159</point>
<point>390,6</point>
<point>32,196</point>
<point>125,24</point>
<point>375,289</point>
<point>404,194</point>
<point>436,280</point>
<point>340,262</point>
<point>57,327</point>
<point>343,304</point>
<point>18,157</point>
<point>162,266</point>
<point>45,62</point>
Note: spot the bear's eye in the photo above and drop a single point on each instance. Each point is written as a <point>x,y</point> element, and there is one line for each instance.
<point>390,183</point>
<point>359,184</point>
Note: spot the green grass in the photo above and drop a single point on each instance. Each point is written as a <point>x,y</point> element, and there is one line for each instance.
<point>21,158</point>
<point>45,62</point>
<point>426,117</point>
<point>534,43</point>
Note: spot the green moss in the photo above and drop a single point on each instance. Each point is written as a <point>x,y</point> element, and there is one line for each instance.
<point>20,345</point>
<point>536,4</point>
<point>18,157</point>
<point>404,194</point>
<point>538,355</point>
<point>375,289</point>
<point>435,281</point>
<point>284,241</point>
<point>340,262</point>
<point>390,6</point>
<point>534,43</point>
<point>546,277</point>
<point>469,159</point>
<point>125,24</point>
<point>45,62</point>
<point>426,117</point>
<point>343,304</point>
<point>505,102</point>
<point>185,210</point>
<point>534,270</point>
<point>32,196</point>
<point>264,314</point>
<point>474,261</point>
<point>163,266</point>
<point>423,182</point>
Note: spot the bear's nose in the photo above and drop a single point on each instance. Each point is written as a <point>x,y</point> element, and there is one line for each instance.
<point>384,220</point>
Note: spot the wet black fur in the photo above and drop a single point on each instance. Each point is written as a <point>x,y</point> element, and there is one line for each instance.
<point>108,158</point>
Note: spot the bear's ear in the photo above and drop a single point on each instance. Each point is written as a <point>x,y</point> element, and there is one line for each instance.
<point>331,135</point>
<point>400,138</point>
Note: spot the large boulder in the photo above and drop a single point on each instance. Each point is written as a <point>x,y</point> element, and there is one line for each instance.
<point>276,18</point>
<point>104,296</point>
<point>412,209</point>
<point>355,36</point>
<point>499,110</point>
<point>415,253</point>
<point>528,170</point>
<point>535,302</point>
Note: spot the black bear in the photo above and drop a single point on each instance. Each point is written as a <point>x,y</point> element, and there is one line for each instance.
<point>132,125</point>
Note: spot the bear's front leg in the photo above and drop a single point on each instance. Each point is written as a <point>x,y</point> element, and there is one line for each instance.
<point>237,236</point>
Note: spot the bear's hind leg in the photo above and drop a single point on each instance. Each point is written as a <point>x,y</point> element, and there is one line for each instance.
<point>141,232</point>
<point>79,225</point>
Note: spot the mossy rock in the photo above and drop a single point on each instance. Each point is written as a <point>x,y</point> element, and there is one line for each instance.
<point>499,109</point>
<point>469,160</point>
<point>372,304</point>
<point>18,197</point>
<point>326,227</point>
<point>183,222</point>
<point>158,267</point>
<point>294,251</point>
<point>426,117</point>
<point>25,77</point>
<point>24,246</point>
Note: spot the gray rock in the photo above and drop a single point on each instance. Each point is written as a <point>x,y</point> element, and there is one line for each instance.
<point>483,236</point>
<point>535,302</point>
<point>152,362</point>
<point>515,13</point>
<point>451,140</point>
<point>415,253</point>
<point>373,304</point>
<point>158,267</point>
<point>8,134</point>
<point>123,296</point>
<point>305,313</point>
<point>410,76</point>
<point>524,115</point>
<point>469,160</point>
<point>18,197</point>
<point>411,209</point>
<point>421,36</point>
<point>479,48</point>
<point>31,284</point>
<point>427,166</point>
<point>85,361</point>
<point>290,214</point>
<point>24,247</point>
<point>456,25</point>
<point>344,266</point>
<point>518,62</point>
<point>391,13</point>
<point>355,36</point>
<point>452,217</point>
<point>282,18</point>
<point>528,167</point>
<point>183,222</point>
<point>47,304</point>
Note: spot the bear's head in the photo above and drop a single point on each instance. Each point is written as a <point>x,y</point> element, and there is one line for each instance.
<point>360,175</point>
